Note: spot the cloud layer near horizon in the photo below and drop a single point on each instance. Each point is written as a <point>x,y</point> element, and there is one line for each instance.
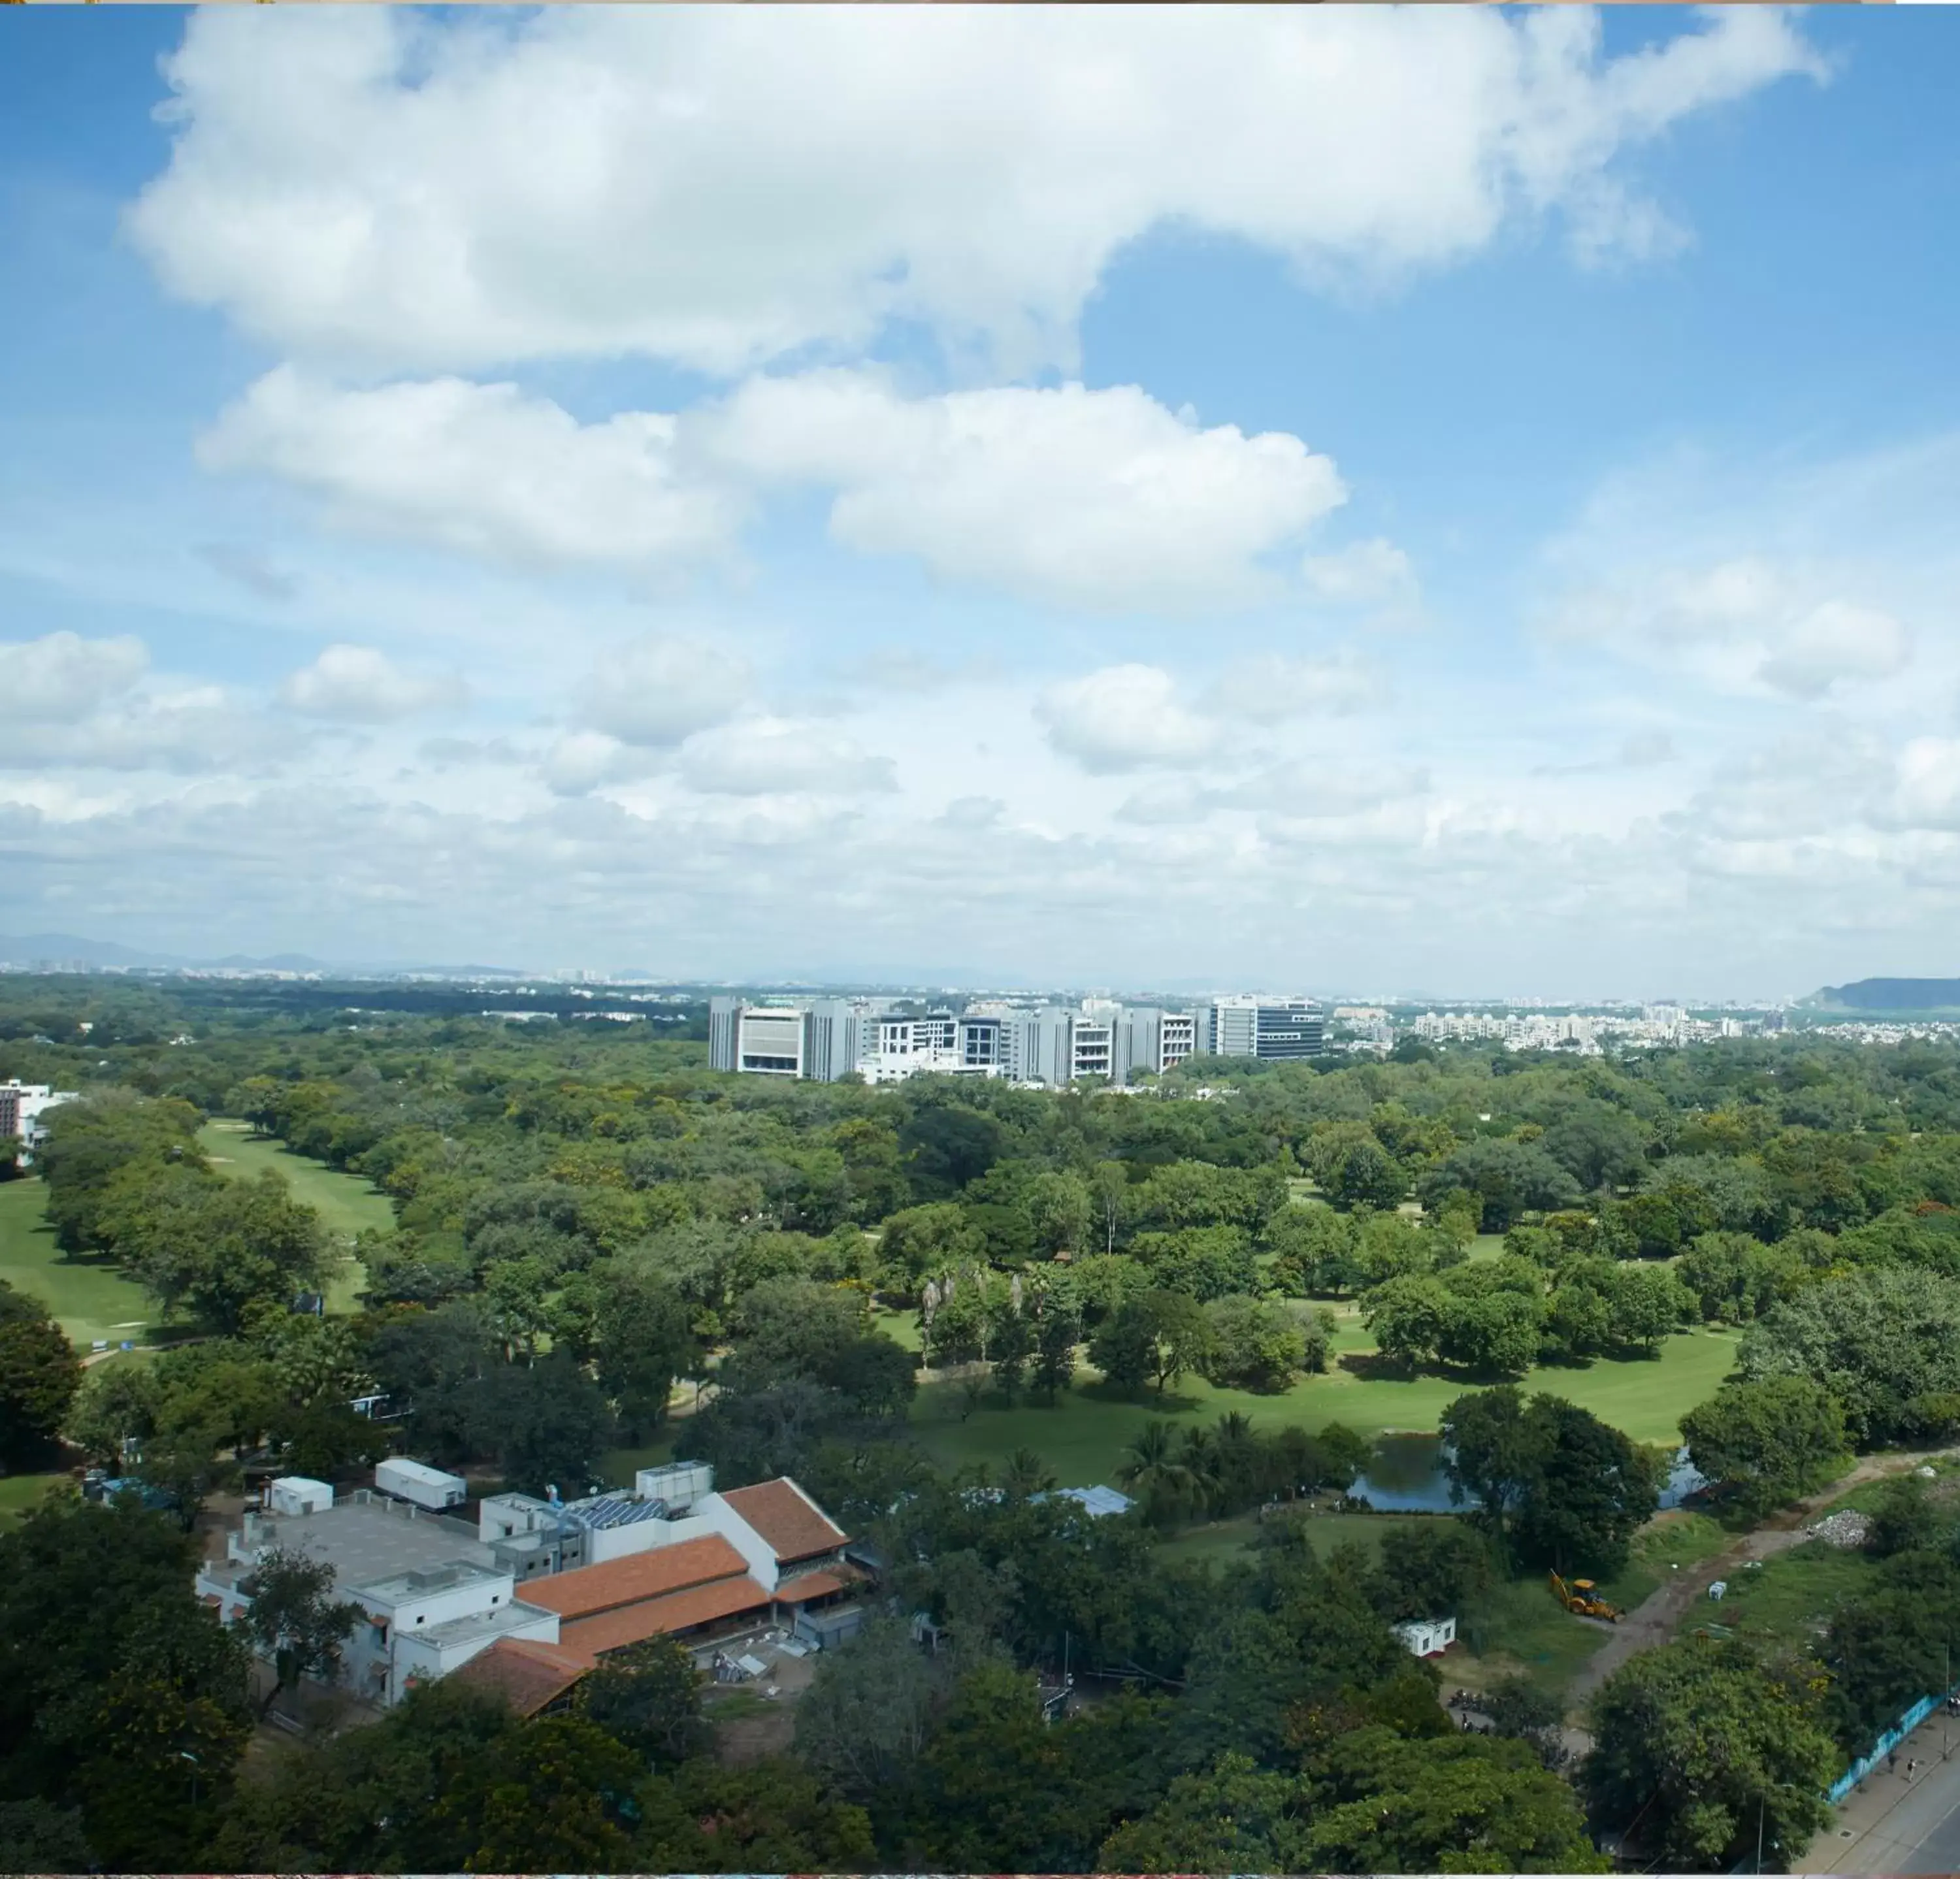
<point>674,519</point>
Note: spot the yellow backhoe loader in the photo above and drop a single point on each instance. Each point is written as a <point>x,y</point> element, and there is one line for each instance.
<point>1582,1598</point>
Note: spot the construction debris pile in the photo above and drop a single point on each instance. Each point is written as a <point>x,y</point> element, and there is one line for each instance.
<point>1847,1528</point>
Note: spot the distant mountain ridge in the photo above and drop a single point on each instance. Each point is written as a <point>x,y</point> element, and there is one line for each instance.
<point>68,949</point>
<point>1891,994</point>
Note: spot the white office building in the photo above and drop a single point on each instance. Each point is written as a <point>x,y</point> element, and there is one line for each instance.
<point>1054,1045</point>
<point>1158,1040</point>
<point>1279,1029</point>
<point>823,1039</point>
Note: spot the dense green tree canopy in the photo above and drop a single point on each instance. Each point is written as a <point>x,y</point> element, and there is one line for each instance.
<point>40,1375</point>
<point>1767,1443</point>
<point>1694,1742</point>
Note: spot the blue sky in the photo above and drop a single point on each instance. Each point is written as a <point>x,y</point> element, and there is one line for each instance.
<point>1357,500</point>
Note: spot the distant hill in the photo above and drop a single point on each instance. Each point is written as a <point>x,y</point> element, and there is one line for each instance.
<point>1891,994</point>
<point>31,949</point>
<point>67,949</point>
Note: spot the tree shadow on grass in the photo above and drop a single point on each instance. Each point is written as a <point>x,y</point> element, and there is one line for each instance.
<point>1372,1366</point>
<point>1171,1403</point>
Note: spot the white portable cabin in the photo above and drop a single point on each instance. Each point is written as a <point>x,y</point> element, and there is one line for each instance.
<point>1427,1637</point>
<point>295,1494</point>
<point>416,1481</point>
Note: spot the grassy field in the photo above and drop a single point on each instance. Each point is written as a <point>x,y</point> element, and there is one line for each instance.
<point>1786,1600</point>
<point>19,1492</point>
<point>1519,1628</point>
<point>346,1203</point>
<point>89,1299</point>
<point>1083,1438</point>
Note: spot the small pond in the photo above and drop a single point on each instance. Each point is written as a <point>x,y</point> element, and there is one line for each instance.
<point>1407,1476</point>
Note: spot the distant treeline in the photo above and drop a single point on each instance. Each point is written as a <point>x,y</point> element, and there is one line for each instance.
<point>118,1010</point>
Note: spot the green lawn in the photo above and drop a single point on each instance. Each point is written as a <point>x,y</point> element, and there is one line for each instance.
<point>19,1492</point>
<point>617,1466</point>
<point>89,1299</point>
<point>1520,1629</point>
<point>345,1204</point>
<point>1786,1600</point>
<point>1083,1439</point>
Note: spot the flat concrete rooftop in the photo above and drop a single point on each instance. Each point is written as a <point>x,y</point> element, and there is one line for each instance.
<point>365,1543</point>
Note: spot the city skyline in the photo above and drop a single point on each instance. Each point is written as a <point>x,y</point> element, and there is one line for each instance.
<point>1359,497</point>
<point>67,955</point>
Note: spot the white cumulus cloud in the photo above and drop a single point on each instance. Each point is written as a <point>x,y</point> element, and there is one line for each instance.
<point>362,685</point>
<point>1125,717</point>
<point>1094,499</point>
<point>62,678</point>
<point>1742,625</point>
<point>1072,497</point>
<point>1370,574</point>
<point>769,756</point>
<point>1097,499</point>
<point>1271,687</point>
<point>657,690</point>
<point>721,187</point>
<point>485,469</point>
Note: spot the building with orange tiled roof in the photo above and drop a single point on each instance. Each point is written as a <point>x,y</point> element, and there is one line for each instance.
<point>534,1678</point>
<point>677,1558</point>
<point>795,1528</point>
<point>640,1576</point>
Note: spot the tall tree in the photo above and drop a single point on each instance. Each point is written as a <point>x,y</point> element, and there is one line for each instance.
<point>111,1674</point>
<point>1697,1742</point>
<point>40,1374</point>
<point>1767,1443</point>
<point>294,1619</point>
<point>215,1248</point>
<point>1553,1483</point>
<point>1453,1804</point>
<point>648,1696</point>
<point>1155,1336</point>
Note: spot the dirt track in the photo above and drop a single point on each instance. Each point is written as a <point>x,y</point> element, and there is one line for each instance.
<point>1656,1619</point>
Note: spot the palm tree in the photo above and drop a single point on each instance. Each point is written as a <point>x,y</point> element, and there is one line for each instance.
<point>1025,1473</point>
<point>1205,1463</point>
<point>1235,1466</point>
<point>1234,1428</point>
<point>1152,1466</point>
<point>1153,1450</point>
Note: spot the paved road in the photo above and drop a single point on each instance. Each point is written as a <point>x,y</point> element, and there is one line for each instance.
<point>1897,1825</point>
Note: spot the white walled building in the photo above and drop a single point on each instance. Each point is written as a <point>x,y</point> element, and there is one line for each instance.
<point>433,1598</point>
<point>1273,1028</point>
<point>1159,1040</point>
<point>1053,1045</point>
<point>437,1591</point>
<point>22,1107</point>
